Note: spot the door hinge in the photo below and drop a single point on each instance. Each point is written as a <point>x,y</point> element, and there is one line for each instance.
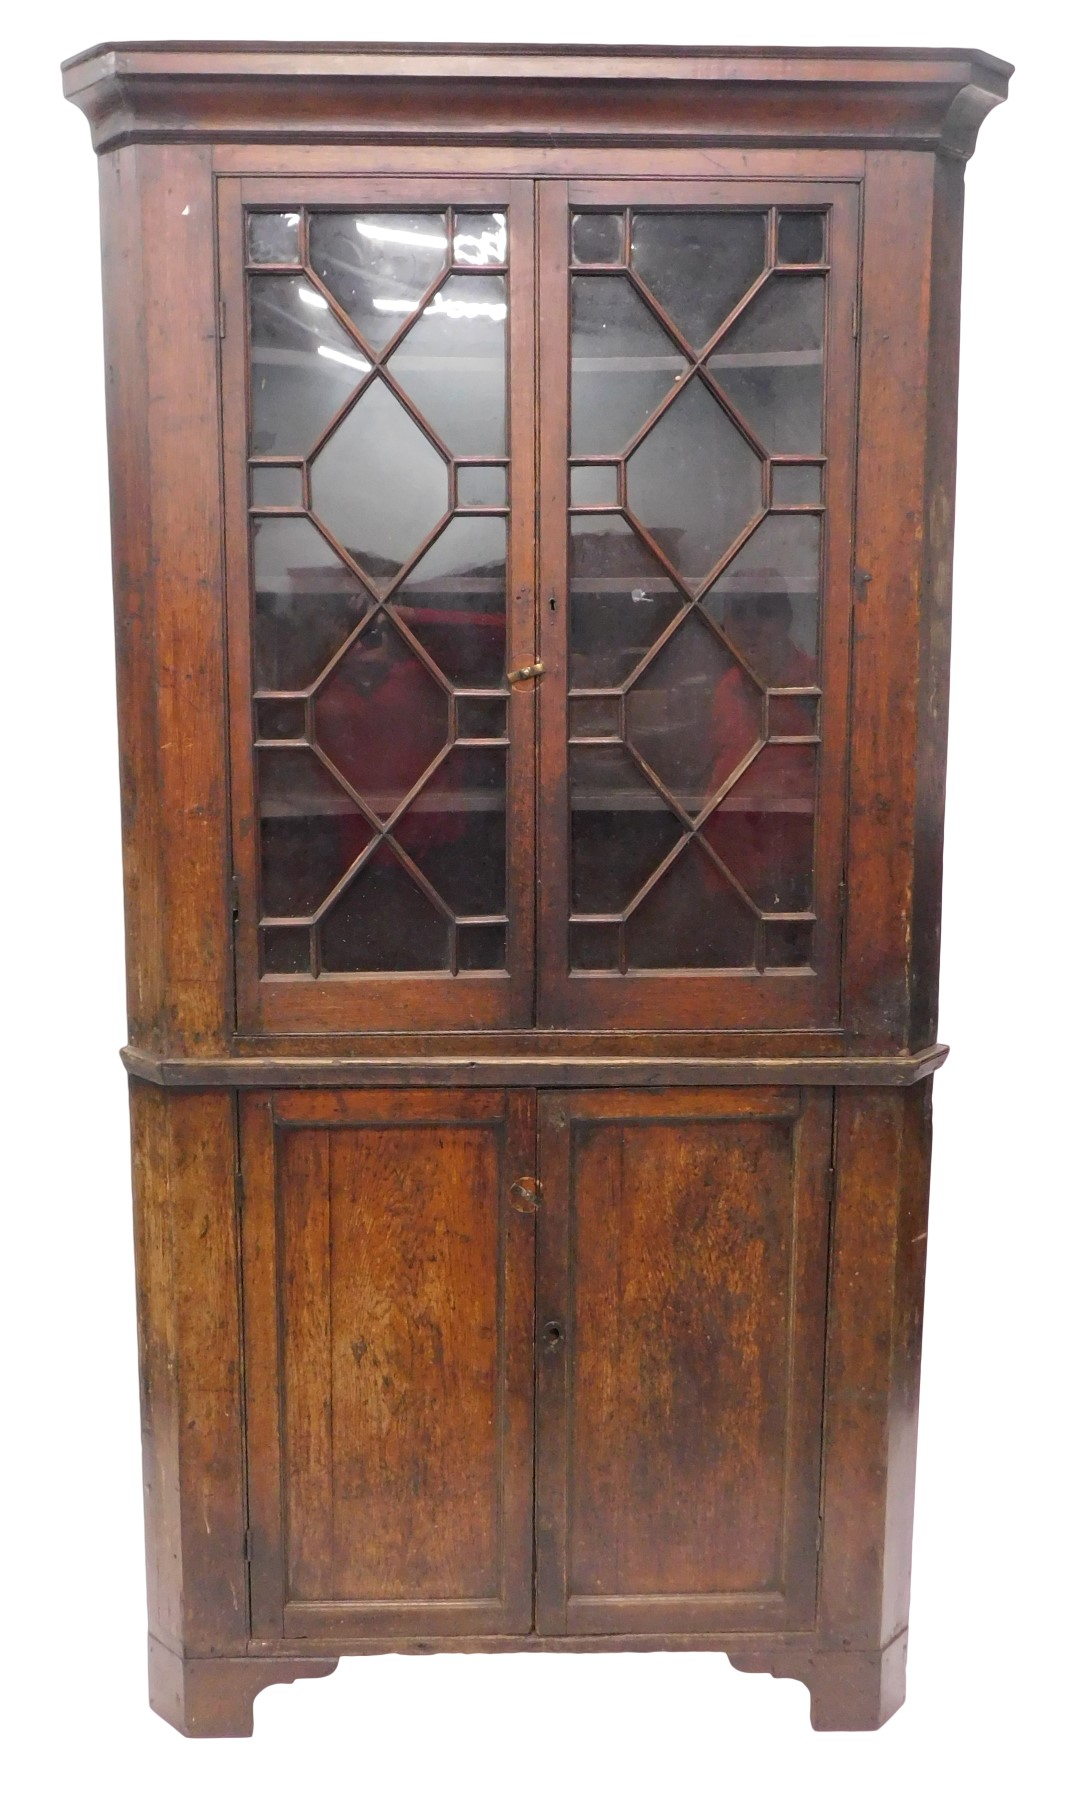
<point>235,889</point>
<point>854,317</point>
<point>248,1552</point>
<point>843,903</point>
<point>221,318</point>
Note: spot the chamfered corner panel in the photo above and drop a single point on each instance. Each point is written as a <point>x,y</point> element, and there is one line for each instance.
<point>682,1258</point>
<point>390,1352</point>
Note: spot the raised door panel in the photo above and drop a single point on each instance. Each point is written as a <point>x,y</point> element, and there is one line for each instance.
<point>681,1301</point>
<point>697,402</point>
<point>389,1296</point>
<point>378,378</point>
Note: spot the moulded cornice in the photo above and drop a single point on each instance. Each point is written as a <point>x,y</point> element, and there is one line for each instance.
<point>521,94</point>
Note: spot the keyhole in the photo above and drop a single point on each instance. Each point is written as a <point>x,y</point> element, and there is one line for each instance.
<point>551,602</point>
<point>553,1333</point>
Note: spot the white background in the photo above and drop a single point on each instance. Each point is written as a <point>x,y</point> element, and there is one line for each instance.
<point>992,1680</point>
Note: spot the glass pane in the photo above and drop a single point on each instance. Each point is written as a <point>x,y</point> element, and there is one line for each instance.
<point>378,265</point>
<point>280,719</point>
<point>793,717</point>
<point>796,485</point>
<point>801,237</point>
<point>766,600</point>
<point>380,717</point>
<point>455,831</point>
<point>620,829</point>
<point>593,716</point>
<point>788,943</point>
<point>481,717</point>
<point>303,364</point>
<point>623,364</point>
<point>311,832</point>
<point>481,485</point>
<point>620,600</point>
<point>594,946</point>
<point>597,237</point>
<point>482,948</point>
<point>307,602</point>
<point>698,264</point>
<point>273,236</point>
<point>479,238</point>
<point>694,482</point>
<point>379,485</point>
<point>277,485</point>
<point>594,485</point>
<point>770,363</point>
<point>452,364</point>
<point>764,828</point>
<point>384,922</point>
<point>691,919</point>
<point>286,949</point>
<point>694,714</point>
<point>454,600</point>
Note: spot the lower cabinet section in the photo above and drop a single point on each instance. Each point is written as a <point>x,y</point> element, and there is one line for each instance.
<point>434,1279</point>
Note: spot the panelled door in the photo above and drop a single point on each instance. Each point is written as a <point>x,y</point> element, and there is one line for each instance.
<point>539,502</point>
<point>410,1292</point>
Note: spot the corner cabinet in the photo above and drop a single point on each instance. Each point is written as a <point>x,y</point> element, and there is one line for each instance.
<point>532,501</point>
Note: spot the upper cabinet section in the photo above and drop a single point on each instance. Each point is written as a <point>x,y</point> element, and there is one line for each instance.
<point>371,93</point>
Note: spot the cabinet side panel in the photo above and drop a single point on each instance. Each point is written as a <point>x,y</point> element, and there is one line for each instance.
<point>872,1380</point>
<point>189,1336</point>
<point>894,356</point>
<point>936,618</point>
<point>161,320</point>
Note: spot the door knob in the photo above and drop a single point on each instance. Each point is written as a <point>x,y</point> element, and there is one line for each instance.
<point>526,672</point>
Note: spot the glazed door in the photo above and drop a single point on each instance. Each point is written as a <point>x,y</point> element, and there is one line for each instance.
<point>697,400</point>
<point>680,1348</point>
<point>388,1299</point>
<point>378,378</point>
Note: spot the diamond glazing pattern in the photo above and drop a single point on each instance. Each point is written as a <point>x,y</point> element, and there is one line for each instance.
<point>378,491</point>
<point>697,498</point>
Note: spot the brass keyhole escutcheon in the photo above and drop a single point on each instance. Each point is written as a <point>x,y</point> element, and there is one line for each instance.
<point>525,1195</point>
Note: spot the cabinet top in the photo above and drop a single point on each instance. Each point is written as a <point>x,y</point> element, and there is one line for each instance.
<point>931,99</point>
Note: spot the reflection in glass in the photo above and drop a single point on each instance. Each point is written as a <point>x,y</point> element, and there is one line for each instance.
<point>277,486</point>
<point>766,600</point>
<point>304,364</point>
<point>479,239</point>
<point>594,485</point>
<point>694,714</point>
<point>310,831</point>
<point>620,829</point>
<point>770,363</point>
<point>481,485</point>
<point>763,830</point>
<point>481,718</point>
<point>690,919</point>
<point>801,237</point>
<point>307,602</point>
<point>698,264</point>
<point>285,950</point>
<point>380,716</point>
<point>694,482</point>
<point>379,485</point>
<point>793,718</point>
<point>455,830</point>
<point>597,237</point>
<point>454,601</point>
<point>594,716</point>
<point>788,944</point>
<point>378,265</point>
<point>280,719</point>
<point>273,236</point>
<point>623,364</point>
<point>796,485</point>
<point>452,364</point>
<point>482,948</point>
<point>620,600</point>
<point>384,922</point>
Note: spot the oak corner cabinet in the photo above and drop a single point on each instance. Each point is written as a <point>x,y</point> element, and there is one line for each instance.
<point>532,483</point>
